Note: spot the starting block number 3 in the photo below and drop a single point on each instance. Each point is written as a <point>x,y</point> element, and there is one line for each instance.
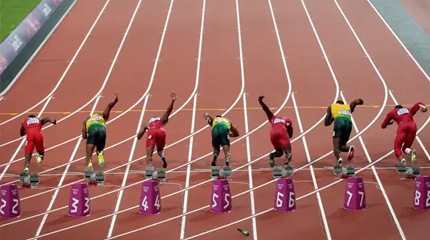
<point>156,203</point>
<point>226,196</point>
<point>14,211</point>
<point>76,202</point>
<point>279,201</point>
<point>350,196</point>
<point>418,196</point>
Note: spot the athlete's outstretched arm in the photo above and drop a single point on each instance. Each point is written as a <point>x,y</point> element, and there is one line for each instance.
<point>290,131</point>
<point>48,119</point>
<point>265,108</point>
<point>328,117</point>
<point>84,130</point>
<point>142,132</point>
<point>169,110</point>
<point>109,107</point>
<point>387,121</point>
<point>354,104</point>
<point>208,118</point>
<point>418,106</point>
<point>22,130</point>
<point>233,131</point>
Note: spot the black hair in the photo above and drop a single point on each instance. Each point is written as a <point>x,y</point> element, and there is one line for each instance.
<point>340,102</point>
<point>31,116</point>
<point>218,116</point>
<point>398,106</point>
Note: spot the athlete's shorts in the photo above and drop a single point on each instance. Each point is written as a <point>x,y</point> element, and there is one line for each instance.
<point>34,139</point>
<point>342,129</point>
<point>220,136</point>
<point>97,136</point>
<point>279,138</point>
<point>156,137</point>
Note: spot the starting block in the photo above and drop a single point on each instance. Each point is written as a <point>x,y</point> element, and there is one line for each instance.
<point>150,200</point>
<point>285,200</point>
<point>217,173</point>
<point>401,168</point>
<point>94,178</point>
<point>279,172</point>
<point>79,201</point>
<point>159,175</point>
<point>349,171</point>
<point>29,180</point>
<point>337,169</point>
<point>149,172</point>
<point>220,197</point>
<point>355,197</point>
<point>10,205</point>
<point>422,193</point>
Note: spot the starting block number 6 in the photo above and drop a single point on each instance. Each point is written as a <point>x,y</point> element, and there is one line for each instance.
<point>226,196</point>
<point>350,197</point>
<point>279,201</point>
<point>417,198</point>
<point>14,211</point>
<point>76,202</point>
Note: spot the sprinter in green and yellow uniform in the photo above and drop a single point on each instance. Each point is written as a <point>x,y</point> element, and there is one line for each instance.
<point>222,129</point>
<point>94,130</point>
<point>341,113</point>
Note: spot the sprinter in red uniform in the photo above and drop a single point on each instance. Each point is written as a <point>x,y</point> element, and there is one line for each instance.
<point>282,131</point>
<point>406,130</point>
<point>157,134</point>
<point>32,126</point>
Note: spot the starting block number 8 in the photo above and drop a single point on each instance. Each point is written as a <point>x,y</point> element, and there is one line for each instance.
<point>279,201</point>
<point>75,205</point>
<point>156,203</point>
<point>226,196</point>
<point>14,211</point>
<point>350,197</point>
<point>418,196</point>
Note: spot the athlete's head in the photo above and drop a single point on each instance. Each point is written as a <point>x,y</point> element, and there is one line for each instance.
<point>340,102</point>
<point>398,106</point>
<point>31,116</point>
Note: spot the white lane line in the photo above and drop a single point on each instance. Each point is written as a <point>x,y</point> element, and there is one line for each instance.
<point>417,137</point>
<point>92,111</point>
<point>124,180</point>
<point>22,142</point>
<point>308,157</point>
<point>65,72</point>
<point>400,42</point>
<point>381,186</point>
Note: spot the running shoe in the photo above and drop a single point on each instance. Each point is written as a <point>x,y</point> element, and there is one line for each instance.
<point>164,162</point>
<point>339,161</point>
<point>39,159</point>
<point>213,163</point>
<point>26,170</point>
<point>90,165</point>
<point>227,162</point>
<point>272,159</point>
<point>351,153</point>
<point>101,159</point>
<point>414,156</point>
<point>403,160</point>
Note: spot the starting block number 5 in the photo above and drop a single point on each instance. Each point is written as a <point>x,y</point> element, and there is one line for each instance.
<point>226,196</point>
<point>418,196</point>
<point>350,197</point>
<point>14,211</point>
<point>279,201</point>
<point>156,203</point>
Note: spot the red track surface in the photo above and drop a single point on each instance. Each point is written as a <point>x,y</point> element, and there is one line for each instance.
<point>157,56</point>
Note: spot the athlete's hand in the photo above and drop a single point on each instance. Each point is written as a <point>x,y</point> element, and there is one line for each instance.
<point>173,95</point>
<point>54,122</point>
<point>260,98</point>
<point>390,122</point>
<point>116,97</point>
<point>423,108</point>
<point>206,115</point>
<point>360,101</point>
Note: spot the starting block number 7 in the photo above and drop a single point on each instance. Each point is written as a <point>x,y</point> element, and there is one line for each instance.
<point>14,211</point>
<point>418,196</point>
<point>226,196</point>
<point>279,201</point>
<point>350,197</point>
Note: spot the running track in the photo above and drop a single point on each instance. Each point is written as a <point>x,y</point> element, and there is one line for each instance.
<point>219,56</point>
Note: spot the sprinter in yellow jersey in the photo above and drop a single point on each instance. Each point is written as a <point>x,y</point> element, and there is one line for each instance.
<point>340,113</point>
<point>94,130</point>
<point>222,129</point>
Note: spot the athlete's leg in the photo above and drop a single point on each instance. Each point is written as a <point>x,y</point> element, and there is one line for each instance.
<point>88,153</point>
<point>161,143</point>
<point>227,154</point>
<point>336,150</point>
<point>288,155</point>
<point>29,146</point>
<point>149,152</point>
<point>215,155</point>
<point>398,142</point>
<point>410,138</point>
<point>40,148</point>
<point>100,145</point>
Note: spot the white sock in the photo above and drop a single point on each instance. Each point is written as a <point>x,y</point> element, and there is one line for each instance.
<point>408,151</point>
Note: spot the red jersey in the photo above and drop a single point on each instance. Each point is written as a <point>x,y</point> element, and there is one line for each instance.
<point>155,123</point>
<point>280,122</point>
<point>32,125</point>
<point>402,115</point>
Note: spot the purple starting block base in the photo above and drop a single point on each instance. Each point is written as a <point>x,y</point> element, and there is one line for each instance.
<point>79,201</point>
<point>220,197</point>
<point>9,202</point>
<point>285,197</point>
<point>355,197</point>
<point>150,200</point>
<point>422,193</point>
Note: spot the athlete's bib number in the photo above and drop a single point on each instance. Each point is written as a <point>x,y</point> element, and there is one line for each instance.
<point>418,196</point>
<point>350,197</point>
<point>402,111</point>
<point>76,202</point>
<point>156,203</point>
<point>32,121</point>
<point>14,207</point>
<point>345,112</point>
<point>226,201</point>
<point>279,202</point>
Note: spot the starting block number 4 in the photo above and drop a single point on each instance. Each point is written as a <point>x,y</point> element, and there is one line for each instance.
<point>279,197</point>
<point>226,197</point>
<point>350,197</point>
<point>418,196</point>
<point>156,203</point>
<point>76,202</point>
<point>14,211</point>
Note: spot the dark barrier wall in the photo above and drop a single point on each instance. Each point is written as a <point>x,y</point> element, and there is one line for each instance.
<point>22,42</point>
